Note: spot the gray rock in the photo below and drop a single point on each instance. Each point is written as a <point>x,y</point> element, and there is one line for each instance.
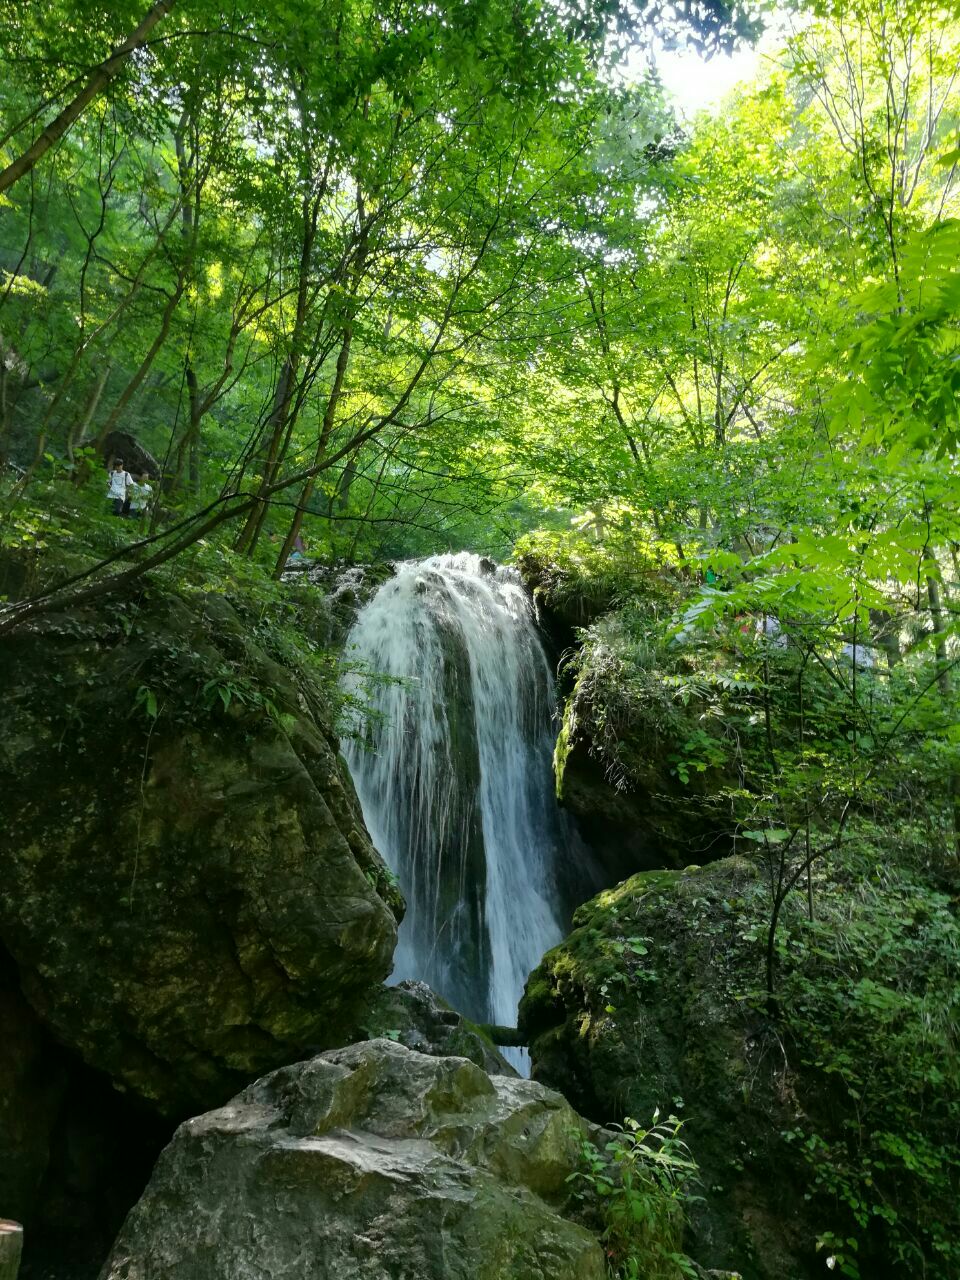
<point>415,1016</point>
<point>373,1161</point>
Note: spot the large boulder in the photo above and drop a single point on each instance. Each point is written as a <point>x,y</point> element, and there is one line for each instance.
<point>823,1118</point>
<point>189,893</point>
<point>373,1162</point>
<point>641,1009</point>
<point>617,772</point>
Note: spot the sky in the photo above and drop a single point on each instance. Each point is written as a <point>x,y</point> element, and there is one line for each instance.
<point>699,83</point>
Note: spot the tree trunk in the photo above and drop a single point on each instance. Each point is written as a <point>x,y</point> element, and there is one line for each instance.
<point>144,367</point>
<point>78,432</point>
<point>944,683</point>
<point>936,616</point>
<point>11,1245</point>
<point>188,450</point>
<point>99,79</point>
<point>282,394</point>
<point>887,635</point>
<point>328,420</point>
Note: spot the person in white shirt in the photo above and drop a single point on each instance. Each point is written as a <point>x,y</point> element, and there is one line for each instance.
<point>118,481</point>
<point>141,491</point>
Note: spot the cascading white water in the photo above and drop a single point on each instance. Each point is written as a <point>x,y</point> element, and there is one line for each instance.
<point>455,776</point>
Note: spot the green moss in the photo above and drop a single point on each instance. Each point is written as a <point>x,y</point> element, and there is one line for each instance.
<point>658,994</point>
<point>185,858</point>
<point>561,750</point>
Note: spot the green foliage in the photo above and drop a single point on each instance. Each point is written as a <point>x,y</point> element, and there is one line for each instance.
<point>146,699</point>
<point>641,699</point>
<point>872,1002</point>
<point>638,1184</point>
<point>580,575</point>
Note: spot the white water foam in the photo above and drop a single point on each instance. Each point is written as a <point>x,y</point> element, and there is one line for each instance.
<point>455,777</point>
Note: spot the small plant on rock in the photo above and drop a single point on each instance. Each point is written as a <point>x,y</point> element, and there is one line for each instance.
<point>637,1186</point>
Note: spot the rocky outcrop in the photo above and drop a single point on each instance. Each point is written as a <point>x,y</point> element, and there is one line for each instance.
<point>822,1113</point>
<point>136,459</point>
<point>416,1017</point>
<point>620,756</point>
<point>567,596</point>
<point>189,893</point>
<point>642,1008</point>
<point>373,1162</point>
<point>336,593</point>
<point>617,769</point>
<point>626,828</point>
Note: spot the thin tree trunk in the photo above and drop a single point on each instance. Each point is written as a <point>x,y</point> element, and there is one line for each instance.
<point>944,683</point>
<point>333,400</point>
<point>311,481</point>
<point>86,343</point>
<point>886,635</point>
<point>78,433</point>
<point>285,405</point>
<point>99,79</point>
<point>936,615</point>
<point>134,384</point>
<point>189,209</point>
<point>192,441</point>
<point>246,539</point>
<point>4,408</point>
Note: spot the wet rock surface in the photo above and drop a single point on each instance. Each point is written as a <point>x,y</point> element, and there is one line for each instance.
<point>373,1161</point>
<point>413,1015</point>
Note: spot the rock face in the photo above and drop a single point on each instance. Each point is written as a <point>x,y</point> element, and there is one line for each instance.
<point>32,1083</point>
<point>642,1008</point>
<point>416,1017</point>
<point>626,829</point>
<point>336,593</point>
<point>136,459</point>
<point>373,1161</point>
<point>188,891</point>
<point>615,774</point>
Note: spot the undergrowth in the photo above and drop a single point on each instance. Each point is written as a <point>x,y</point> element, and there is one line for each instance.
<point>635,1187</point>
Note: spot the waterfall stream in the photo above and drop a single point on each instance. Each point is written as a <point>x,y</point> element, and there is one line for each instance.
<point>455,777</point>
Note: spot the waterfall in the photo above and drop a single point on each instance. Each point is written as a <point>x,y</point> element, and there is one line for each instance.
<point>455,779</point>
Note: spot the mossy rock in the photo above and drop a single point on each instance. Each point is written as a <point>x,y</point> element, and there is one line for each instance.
<point>372,1162</point>
<point>189,892</point>
<point>416,1017</point>
<point>638,815</point>
<point>821,1113</point>
<point>642,1009</point>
